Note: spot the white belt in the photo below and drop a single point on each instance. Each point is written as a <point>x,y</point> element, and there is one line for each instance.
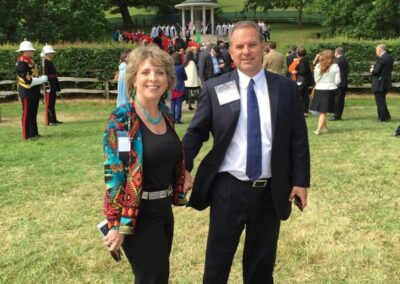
<point>152,195</point>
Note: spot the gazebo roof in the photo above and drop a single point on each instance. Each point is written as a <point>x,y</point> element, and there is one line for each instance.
<point>197,3</point>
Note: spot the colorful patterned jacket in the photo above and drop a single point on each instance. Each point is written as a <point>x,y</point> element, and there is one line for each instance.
<point>124,182</point>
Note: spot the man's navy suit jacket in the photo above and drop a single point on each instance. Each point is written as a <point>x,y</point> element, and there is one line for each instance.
<point>290,158</point>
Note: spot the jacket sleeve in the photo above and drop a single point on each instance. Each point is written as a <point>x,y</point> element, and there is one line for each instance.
<point>114,174</point>
<point>300,151</point>
<point>199,129</point>
<point>378,68</point>
<point>337,76</point>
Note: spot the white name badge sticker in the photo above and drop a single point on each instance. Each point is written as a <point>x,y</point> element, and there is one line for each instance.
<point>227,92</point>
<point>124,143</point>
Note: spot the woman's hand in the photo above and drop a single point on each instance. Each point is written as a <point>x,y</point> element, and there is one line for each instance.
<point>113,240</point>
<point>188,184</point>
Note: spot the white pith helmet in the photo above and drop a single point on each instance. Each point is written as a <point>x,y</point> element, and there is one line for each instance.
<point>25,46</point>
<point>48,49</point>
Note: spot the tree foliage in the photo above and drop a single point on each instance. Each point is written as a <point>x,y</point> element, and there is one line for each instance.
<point>162,7</point>
<point>52,21</point>
<point>371,19</point>
<point>299,5</point>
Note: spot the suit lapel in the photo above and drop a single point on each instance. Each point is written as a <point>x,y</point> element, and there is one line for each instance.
<point>273,91</point>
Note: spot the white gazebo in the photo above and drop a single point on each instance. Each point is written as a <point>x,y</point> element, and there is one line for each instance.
<point>197,10</point>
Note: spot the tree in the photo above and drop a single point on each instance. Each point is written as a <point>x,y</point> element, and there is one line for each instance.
<point>52,21</point>
<point>299,5</point>
<point>372,19</point>
<point>163,7</point>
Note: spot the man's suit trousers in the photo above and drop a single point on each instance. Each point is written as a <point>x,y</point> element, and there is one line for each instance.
<point>382,109</point>
<point>236,206</point>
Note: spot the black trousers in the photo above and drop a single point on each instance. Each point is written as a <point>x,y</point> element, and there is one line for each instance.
<point>382,109</point>
<point>305,98</point>
<point>149,247</point>
<point>236,206</point>
<point>340,94</point>
<point>50,107</point>
<point>30,106</point>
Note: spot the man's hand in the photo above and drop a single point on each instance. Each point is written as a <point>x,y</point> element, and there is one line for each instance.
<point>300,192</point>
<point>188,184</point>
<point>113,240</point>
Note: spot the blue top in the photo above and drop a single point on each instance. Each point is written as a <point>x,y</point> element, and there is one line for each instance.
<point>122,95</point>
<point>180,77</point>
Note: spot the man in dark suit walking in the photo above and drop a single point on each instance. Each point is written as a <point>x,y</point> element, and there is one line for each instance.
<point>382,81</point>
<point>342,87</point>
<point>258,164</point>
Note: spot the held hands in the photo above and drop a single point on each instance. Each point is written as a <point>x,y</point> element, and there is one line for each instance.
<point>301,194</point>
<point>188,184</point>
<point>113,240</point>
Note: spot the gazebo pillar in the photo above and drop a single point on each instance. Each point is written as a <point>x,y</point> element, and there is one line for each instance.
<point>183,19</point>
<point>212,21</point>
<point>203,20</point>
<point>191,18</point>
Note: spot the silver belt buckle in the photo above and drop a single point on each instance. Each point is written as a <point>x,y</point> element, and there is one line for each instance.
<point>259,183</point>
<point>163,193</point>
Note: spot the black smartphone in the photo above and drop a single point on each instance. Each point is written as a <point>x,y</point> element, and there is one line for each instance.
<point>297,202</point>
<point>103,227</point>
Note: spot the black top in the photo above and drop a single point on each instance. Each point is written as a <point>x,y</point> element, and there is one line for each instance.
<point>160,155</point>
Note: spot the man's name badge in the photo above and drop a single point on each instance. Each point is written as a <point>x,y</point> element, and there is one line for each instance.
<point>124,145</point>
<point>227,92</point>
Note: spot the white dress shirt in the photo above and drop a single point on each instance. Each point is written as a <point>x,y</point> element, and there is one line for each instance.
<point>236,154</point>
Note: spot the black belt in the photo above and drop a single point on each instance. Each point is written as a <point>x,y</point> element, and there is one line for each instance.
<point>259,183</point>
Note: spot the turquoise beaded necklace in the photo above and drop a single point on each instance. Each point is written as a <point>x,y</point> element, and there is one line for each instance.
<point>153,121</point>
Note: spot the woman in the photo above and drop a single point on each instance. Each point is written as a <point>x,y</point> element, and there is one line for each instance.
<point>144,168</point>
<point>122,95</point>
<point>179,90</point>
<point>193,82</point>
<point>327,77</point>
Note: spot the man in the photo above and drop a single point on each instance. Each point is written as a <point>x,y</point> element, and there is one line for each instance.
<point>226,56</point>
<point>273,60</point>
<point>342,87</point>
<point>29,82</point>
<point>51,95</point>
<point>258,163</point>
<point>304,78</point>
<point>202,61</point>
<point>381,81</point>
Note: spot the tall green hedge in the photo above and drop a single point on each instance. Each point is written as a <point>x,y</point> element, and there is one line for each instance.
<point>81,60</point>
<point>359,53</point>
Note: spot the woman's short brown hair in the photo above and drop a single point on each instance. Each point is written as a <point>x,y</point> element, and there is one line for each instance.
<point>157,57</point>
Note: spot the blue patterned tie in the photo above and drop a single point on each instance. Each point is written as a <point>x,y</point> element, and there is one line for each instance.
<point>253,164</point>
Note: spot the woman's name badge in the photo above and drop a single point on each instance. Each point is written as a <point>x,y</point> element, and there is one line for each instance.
<point>227,92</point>
<point>124,145</point>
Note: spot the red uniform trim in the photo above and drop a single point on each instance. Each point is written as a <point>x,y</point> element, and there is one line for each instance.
<point>26,59</point>
<point>52,75</point>
<point>24,117</point>
<point>46,106</point>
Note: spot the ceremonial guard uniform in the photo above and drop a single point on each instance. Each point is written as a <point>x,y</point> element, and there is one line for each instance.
<point>28,89</point>
<point>51,93</point>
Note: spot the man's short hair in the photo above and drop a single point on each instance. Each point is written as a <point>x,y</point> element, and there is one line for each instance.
<point>272,44</point>
<point>247,24</point>
<point>381,47</point>
<point>301,51</point>
<point>340,50</point>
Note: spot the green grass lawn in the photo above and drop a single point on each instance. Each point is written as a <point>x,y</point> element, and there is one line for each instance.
<point>52,188</point>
